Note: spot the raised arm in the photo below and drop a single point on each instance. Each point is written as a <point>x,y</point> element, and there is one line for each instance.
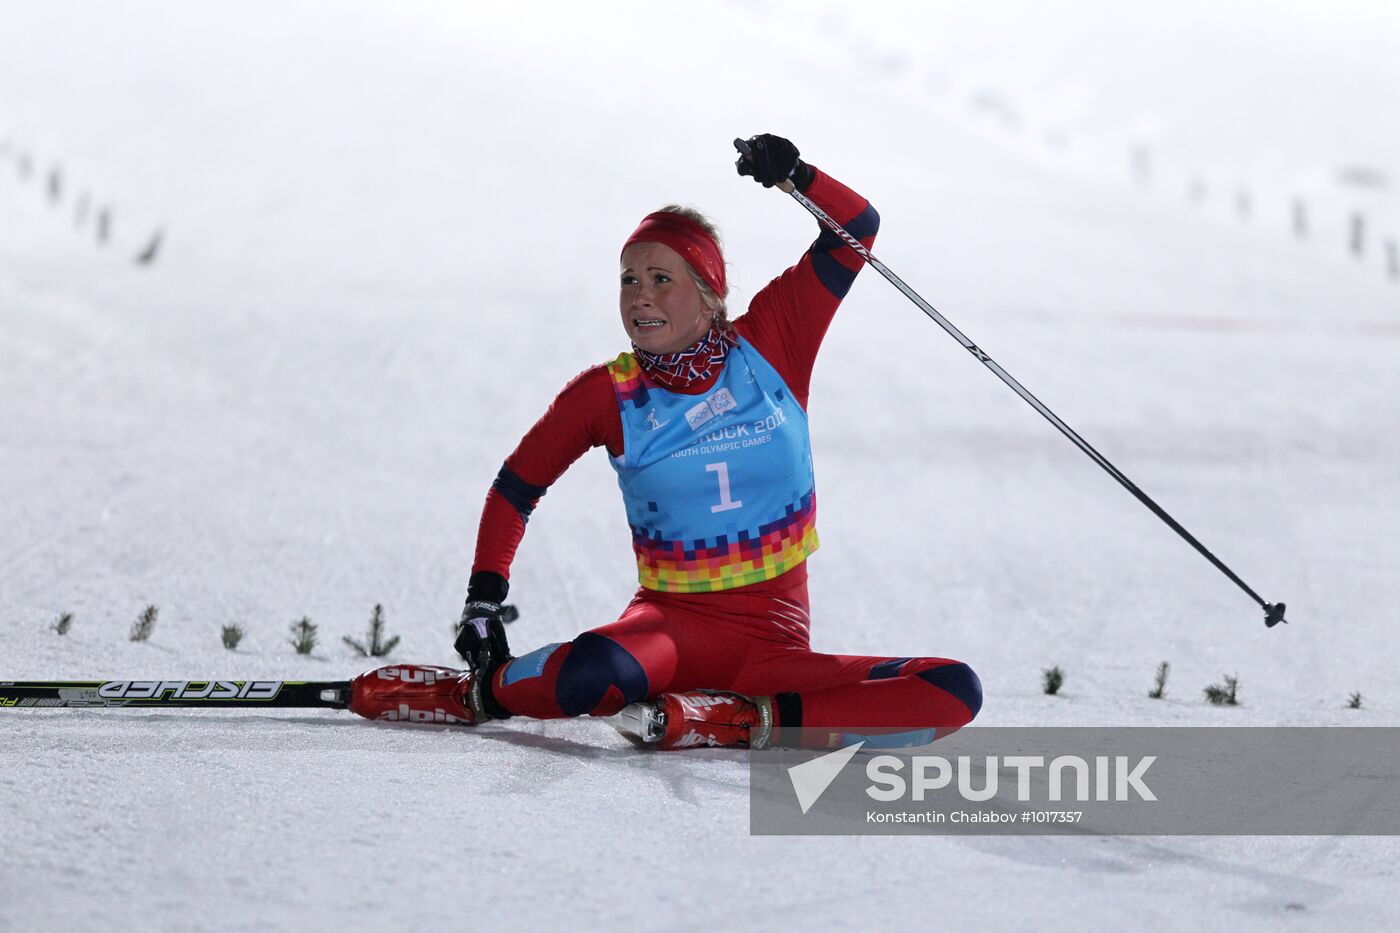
<point>788,318</point>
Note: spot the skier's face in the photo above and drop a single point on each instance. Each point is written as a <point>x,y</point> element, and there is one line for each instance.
<point>662,309</point>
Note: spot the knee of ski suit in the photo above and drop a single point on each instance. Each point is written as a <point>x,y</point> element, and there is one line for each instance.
<point>598,677</point>
<point>958,680</point>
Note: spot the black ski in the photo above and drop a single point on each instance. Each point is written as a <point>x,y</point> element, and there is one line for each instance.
<point>218,694</point>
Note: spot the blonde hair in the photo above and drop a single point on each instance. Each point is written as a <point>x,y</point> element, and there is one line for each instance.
<point>712,300</point>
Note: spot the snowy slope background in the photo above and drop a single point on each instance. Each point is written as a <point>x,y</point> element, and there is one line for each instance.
<point>390,237</point>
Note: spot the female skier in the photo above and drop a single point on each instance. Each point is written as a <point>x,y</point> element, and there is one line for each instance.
<point>705,422</point>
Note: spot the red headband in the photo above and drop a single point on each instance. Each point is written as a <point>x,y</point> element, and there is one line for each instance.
<point>687,238</point>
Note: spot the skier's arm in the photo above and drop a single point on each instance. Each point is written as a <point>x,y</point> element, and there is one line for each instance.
<point>583,416</point>
<point>787,320</point>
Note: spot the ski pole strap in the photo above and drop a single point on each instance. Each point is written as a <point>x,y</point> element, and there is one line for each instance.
<point>1273,612</point>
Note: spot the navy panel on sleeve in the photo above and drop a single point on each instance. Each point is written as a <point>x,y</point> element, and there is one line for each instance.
<point>836,277</point>
<point>517,492</point>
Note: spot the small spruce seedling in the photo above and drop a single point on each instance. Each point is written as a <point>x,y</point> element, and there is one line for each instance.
<point>1054,679</point>
<point>1159,681</point>
<point>375,646</point>
<point>64,623</point>
<point>144,625</point>
<point>1354,701</point>
<point>304,635</point>
<point>232,635</point>
<point>1224,695</point>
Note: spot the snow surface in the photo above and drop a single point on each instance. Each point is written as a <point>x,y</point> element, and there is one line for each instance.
<point>389,239</point>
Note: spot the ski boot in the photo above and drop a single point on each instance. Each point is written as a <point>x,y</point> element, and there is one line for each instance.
<point>701,718</point>
<point>422,693</point>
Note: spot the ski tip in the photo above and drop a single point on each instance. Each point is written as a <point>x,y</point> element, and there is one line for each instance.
<point>1273,614</point>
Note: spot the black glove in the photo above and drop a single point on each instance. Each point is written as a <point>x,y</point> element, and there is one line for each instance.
<point>771,159</point>
<point>481,641</point>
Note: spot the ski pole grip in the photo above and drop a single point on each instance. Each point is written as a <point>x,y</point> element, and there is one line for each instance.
<point>786,185</point>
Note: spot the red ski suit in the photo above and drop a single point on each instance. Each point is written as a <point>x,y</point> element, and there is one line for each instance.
<point>751,639</point>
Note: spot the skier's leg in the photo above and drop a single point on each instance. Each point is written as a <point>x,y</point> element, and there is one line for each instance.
<point>825,700</point>
<point>818,700</point>
<point>658,644</point>
<point>661,642</point>
<point>599,672</point>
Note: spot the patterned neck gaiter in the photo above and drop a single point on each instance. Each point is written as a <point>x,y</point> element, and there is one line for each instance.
<point>696,364</point>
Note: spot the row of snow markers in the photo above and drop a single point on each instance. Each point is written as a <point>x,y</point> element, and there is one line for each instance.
<point>1140,159</point>
<point>1197,189</point>
<point>85,207</point>
<point>304,633</point>
<point>1221,694</point>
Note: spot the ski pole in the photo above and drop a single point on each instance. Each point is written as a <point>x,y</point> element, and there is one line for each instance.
<point>1273,612</point>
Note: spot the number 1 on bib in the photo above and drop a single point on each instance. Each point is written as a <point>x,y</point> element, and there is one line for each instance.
<point>725,502</point>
